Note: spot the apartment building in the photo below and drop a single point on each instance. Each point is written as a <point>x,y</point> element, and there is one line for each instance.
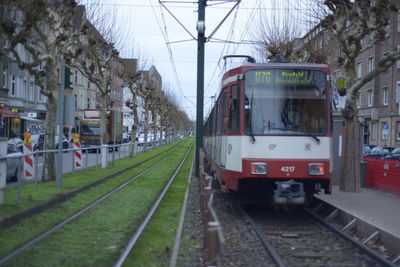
<point>378,100</point>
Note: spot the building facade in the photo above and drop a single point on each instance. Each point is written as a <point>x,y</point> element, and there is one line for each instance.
<point>378,100</point>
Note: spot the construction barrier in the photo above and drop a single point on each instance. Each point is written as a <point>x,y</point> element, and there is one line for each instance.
<point>28,160</point>
<point>383,174</point>
<point>77,153</point>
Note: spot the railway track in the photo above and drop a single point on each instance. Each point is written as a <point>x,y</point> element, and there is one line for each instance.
<point>12,220</point>
<point>296,238</point>
<point>119,195</point>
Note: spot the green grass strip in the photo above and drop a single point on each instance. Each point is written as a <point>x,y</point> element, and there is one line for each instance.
<point>155,246</point>
<point>71,181</point>
<point>97,237</point>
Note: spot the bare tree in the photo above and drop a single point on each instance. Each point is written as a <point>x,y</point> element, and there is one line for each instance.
<point>45,30</point>
<point>274,33</point>
<point>131,76</point>
<point>358,26</point>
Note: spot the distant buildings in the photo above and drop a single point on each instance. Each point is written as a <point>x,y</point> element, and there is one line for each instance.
<point>23,106</point>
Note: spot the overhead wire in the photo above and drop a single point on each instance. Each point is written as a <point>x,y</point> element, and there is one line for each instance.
<point>166,39</point>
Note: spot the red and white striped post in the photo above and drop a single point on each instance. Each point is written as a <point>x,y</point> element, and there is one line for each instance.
<point>77,153</point>
<point>29,171</point>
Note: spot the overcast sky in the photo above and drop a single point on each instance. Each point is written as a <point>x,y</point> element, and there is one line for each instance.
<point>143,24</point>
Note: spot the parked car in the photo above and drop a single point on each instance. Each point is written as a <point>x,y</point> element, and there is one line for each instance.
<point>367,149</point>
<point>126,137</point>
<point>150,138</point>
<point>40,143</point>
<point>394,154</point>
<point>13,164</point>
<point>16,141</point>
<point>378,152</point>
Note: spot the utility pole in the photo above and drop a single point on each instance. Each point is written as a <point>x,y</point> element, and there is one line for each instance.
<point>200,81</point>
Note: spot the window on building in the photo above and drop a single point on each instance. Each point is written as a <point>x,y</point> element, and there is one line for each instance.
<point>359,70</point>
<point>359,100</point>
<point>398,61</point>
<point>398,21</point>
<point>76,76</point>
<point>88,102</point>
<point>40,95</point>
<point>13,85</point>
<point>88,84</point>
<point>370,98</point>
<point>31,89</point>
<point>398,92</point>
<point>370,64</point>
<point>373,127</point>
<point>25,94</point>
<point>398,131</point>
<point>384,131</point>
<point>76,101</point>
<point>385,96</point>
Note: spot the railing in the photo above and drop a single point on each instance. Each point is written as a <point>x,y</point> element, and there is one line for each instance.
<point>213,238</point>
<point>113,152</point>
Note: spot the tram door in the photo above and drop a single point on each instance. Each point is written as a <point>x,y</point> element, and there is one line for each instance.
<point>223,108</point>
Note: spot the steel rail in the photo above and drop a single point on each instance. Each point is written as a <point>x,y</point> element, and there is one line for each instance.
<point>271,250</point>
<point>78,214</point>
<point>64,197</point>
<point>132,242</point>
<point>373,254</point>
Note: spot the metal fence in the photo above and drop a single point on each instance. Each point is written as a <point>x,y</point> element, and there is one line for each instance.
<point>98,156</point>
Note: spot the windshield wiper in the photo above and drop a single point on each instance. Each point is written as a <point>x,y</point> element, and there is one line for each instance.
<point>313,136</point>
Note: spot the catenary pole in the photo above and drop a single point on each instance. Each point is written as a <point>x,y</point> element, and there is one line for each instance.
<point>200,81</point>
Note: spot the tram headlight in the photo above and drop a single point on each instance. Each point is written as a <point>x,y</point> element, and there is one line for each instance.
<point>258,168</point>
<point>316,169</point>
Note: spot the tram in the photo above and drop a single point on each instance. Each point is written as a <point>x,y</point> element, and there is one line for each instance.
<point>269,133</point>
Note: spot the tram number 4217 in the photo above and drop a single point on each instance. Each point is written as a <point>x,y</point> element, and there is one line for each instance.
<point>287,168</point>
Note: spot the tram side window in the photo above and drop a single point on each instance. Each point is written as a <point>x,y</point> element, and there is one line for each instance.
<point>234,110</point>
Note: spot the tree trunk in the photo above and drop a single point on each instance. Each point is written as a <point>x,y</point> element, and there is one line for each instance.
<point>103,119</point>
<point>133,140</point>
<point>49,165</point>
<point>146,130</point>
<point>350,172</point>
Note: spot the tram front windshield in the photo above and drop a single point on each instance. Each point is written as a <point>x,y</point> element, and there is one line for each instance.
<point>285,102</point>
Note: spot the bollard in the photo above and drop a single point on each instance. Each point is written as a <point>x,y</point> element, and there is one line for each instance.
<point>3,168</point>
<point>29,171</point>
<point>212,246</point>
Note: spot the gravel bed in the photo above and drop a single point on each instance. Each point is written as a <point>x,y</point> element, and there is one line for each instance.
<point>302,241</point>
<point>242,247</point>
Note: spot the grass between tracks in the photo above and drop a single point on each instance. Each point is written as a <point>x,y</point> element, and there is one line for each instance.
<point>155,246</point>
<point>70,181</point>
<point>96,238</point>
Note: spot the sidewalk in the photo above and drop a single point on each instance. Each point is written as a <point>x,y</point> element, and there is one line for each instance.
<point>376,207</point>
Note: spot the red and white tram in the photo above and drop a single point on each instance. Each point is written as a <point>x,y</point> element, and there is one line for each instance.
<point>269,132</point>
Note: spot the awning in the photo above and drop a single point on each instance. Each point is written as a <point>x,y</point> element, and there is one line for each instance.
<point>8,113</point>
<point>32,119</point>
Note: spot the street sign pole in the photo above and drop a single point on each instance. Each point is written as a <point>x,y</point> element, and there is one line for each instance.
<point>200,81</point>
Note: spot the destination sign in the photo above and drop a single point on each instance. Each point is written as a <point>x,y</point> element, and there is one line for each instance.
<point>282,77</point>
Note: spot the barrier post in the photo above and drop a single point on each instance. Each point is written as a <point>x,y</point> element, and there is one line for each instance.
<point>77,153</point>
<point>29,171</point>
<point>3,168</point>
